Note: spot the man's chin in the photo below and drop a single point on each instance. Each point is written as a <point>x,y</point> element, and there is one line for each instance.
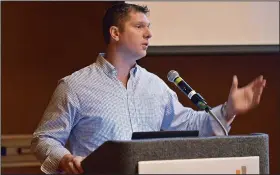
<point>142,54</point>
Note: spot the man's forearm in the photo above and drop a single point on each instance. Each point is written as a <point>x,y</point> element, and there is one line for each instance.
<point>49,152</point>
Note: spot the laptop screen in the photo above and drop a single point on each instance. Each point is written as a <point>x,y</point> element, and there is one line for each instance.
<point>163,134</point>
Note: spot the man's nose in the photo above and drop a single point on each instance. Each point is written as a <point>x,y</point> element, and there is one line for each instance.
<point>148,34</point>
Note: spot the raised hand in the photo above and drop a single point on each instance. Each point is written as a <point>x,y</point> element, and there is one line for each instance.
<point>243,99</point>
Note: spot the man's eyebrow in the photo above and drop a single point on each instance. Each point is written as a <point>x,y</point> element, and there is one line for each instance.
<point>141,22</point>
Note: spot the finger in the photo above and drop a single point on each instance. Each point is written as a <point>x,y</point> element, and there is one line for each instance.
<point>234,83</point>
<point>68,170</point>
<point>258,99</point>
<point>64,164</point>
<point>264,83</point>
<point>259,80</point>
<point>72,168</point>
<point>259,84</point>
<point>256,81</point>
<point>77,163</point>
<point>258,94</point>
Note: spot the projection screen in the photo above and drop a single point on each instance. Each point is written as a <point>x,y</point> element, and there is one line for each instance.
<point>213,23</point>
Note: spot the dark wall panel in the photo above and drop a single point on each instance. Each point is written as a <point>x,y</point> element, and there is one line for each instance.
<point>41,43</point>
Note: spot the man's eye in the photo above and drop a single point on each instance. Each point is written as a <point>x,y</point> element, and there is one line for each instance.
<point>139,26</point>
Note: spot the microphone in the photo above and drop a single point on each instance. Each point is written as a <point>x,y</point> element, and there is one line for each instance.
<point>174,77</point>
<point>196,98</point>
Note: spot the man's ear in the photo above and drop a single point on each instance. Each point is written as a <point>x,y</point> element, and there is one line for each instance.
<point>114,32</point>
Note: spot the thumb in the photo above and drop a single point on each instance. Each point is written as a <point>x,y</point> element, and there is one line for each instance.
<point>234,83</point>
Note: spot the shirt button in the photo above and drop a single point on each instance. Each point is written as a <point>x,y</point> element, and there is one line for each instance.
<point>114,72</point>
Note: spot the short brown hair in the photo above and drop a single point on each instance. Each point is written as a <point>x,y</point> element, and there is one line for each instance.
<point>117,14</point>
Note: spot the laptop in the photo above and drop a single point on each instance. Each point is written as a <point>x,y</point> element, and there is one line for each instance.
<point>164,134</point>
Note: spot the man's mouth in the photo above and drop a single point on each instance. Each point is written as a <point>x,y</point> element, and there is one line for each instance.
<point>145,45</point>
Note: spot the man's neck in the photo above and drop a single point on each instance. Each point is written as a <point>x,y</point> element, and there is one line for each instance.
<point>122,64</point>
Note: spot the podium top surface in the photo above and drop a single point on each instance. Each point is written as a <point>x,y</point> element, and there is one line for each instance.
<point>230,137</point>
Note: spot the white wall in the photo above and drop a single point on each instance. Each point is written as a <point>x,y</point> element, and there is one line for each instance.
<point>213,23</point>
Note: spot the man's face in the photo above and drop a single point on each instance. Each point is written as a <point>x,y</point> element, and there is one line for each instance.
<point>135,35</point>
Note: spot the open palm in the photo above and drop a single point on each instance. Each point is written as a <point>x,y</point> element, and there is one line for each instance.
<point>242,99</point>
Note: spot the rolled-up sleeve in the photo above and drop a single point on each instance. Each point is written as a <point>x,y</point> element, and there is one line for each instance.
<point>50,137</point>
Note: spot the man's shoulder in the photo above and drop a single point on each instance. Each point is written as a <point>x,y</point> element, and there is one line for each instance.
<point>81,76</point>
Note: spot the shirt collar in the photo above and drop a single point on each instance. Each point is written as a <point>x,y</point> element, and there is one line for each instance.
<point>109,69</point>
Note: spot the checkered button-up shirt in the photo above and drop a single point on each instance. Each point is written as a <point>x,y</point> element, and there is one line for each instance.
<point>92,106</point>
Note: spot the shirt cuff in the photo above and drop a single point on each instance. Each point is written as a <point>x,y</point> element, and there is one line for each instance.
<point>224,114</point>
<point>51,163</point>
<point>217,129</point>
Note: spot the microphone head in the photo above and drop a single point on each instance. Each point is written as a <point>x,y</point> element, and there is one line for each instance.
<point>172,75</point>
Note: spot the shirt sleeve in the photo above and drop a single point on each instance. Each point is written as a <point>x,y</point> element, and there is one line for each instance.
<point>178,117</point>
<point>50,137</point>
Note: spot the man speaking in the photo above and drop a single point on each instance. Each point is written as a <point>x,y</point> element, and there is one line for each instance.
<point>114,97</point>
